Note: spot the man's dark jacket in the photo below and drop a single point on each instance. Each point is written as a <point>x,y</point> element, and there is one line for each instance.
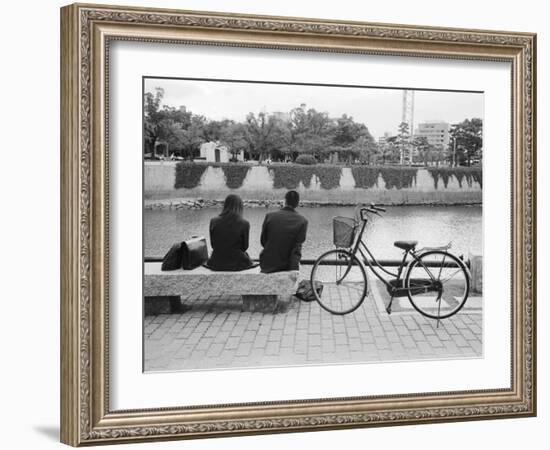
<point>229,240</point>
<point>283,233</point>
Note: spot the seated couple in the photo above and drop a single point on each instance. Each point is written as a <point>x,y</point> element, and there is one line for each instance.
<point>283,233</point>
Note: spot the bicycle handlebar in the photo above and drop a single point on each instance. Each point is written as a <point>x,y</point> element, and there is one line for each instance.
<point>377,208</point>
<point>372,209</point>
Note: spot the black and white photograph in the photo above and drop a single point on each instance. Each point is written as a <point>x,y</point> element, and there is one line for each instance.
<point>293,224</point>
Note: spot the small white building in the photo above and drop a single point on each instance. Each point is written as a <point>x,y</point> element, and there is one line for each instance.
<point>216,152</point>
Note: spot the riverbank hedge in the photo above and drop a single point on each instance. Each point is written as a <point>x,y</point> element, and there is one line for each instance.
<point>365,177</point>
<point>188,174</point>
<point>470,174</point>
<point>289,176</point>
<point>234,174</point>
<point>398,177</point>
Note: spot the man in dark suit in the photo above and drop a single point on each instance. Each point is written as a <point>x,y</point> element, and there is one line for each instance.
<point>283,233</point>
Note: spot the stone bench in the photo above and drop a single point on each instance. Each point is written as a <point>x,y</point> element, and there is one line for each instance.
<point>163,291</point>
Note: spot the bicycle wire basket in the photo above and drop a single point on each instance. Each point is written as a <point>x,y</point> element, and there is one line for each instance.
<point>343,231</point>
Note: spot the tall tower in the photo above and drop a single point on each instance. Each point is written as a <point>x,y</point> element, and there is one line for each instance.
<point>407,116</point>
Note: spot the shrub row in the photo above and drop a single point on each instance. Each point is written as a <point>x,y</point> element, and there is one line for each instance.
<point>188,174</point>
<point>365,177</point>
<point>460,173</point>
<point>398,177</point>
<point>306,159</point>
<point>289,176</point>
<point>329,176</point>
<point>234,174</point>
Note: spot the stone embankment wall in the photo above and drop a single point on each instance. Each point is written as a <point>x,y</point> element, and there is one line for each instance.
<point>258,184</point>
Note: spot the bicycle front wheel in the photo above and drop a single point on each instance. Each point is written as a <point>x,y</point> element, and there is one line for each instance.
<point>438,284</point>
<point>343,279</point>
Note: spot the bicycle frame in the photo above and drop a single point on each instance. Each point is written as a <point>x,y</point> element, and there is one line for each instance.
<point>361,247</point>
<point>400,283</point>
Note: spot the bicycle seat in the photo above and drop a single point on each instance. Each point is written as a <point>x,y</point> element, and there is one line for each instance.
<point>405,245</point>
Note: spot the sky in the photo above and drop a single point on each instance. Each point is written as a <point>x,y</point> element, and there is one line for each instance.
<point>378,108</point>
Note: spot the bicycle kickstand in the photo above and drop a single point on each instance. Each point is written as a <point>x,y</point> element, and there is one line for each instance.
<point>388,308</point>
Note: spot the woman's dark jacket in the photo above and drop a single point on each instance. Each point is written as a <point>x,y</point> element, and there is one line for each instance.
<point>229,240</point>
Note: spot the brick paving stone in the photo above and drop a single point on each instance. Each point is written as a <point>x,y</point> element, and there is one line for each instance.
<point>355,344</point>
<point>272,348</point>
<point>417,335</point>
<point>378,331</point>
<point>204,344</point>
<point>469,335</point>
<point>392,337</point>
<point>243,349</point>
<point>353,333</point>
<point>215,350</point>
<point>461,342</point>
<point>222,337</point>
<point>408,342</point>
<point>366,337</point>
<point>300,347</point>
<point>382,343</point>
<point>435,342</point>
<point>341,339</point>
<point>476,346</point>
<point>287,341</point>
<point>314,340</point>
<point>275,335</point>
<point>476,329</point>
<point>232,343</point>
<point>215,333</point>
<point>328,346</point>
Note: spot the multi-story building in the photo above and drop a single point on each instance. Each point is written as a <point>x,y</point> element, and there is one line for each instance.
<point>382,139</point>
<point>282,115</point>
<point>436,132</point>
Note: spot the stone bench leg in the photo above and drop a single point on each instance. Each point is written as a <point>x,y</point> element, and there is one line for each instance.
<point>163,305</point>
<point>267,303</point>
<point>476,270</point>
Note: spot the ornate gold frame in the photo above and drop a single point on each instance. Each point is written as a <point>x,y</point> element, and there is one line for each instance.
<point>85,34</point>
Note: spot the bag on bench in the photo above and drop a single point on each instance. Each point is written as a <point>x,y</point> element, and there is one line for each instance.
<point>186,255</point>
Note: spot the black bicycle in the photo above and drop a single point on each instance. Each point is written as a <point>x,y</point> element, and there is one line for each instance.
<point>436,282</point>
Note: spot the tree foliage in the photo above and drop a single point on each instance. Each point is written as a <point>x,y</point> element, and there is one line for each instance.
<point>303,131</point>
<point>466,142</point>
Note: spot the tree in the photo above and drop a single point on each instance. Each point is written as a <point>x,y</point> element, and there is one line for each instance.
<point>366,148</point>
<point>309,131</point>
<point>261,135</point>
<point>152,118</point>
<point>403,142</point>
<point>233,135</point>
<point>467,141</point>
<point>192,137</point>
<point>391,150</point>
<point>423,148</point>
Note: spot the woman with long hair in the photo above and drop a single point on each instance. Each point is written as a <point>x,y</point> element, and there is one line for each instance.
<point>229,237</point>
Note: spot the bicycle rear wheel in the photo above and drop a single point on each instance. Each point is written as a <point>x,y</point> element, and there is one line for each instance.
<point>344,281</point>
<point>438,284</point>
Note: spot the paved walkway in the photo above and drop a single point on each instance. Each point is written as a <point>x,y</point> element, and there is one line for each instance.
<point>215,333</point>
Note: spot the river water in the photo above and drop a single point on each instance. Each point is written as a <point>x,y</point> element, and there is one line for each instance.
<point>429,225</point>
